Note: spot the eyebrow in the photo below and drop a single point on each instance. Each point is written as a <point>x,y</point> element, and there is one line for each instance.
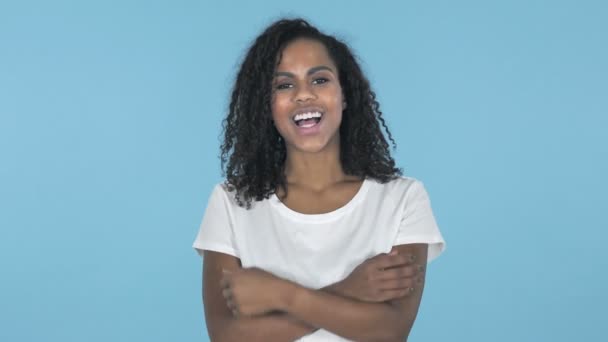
<point>310,71</point>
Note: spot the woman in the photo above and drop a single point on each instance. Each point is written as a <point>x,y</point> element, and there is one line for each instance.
<point>315,235</point>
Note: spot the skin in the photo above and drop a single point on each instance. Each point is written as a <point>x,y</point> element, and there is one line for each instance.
<point>306,77</point>
<point>371,292</point>
<point>379,300</point>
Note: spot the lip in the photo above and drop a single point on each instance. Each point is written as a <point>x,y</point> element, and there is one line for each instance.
<point>309,130</point>
<point>307,110</point>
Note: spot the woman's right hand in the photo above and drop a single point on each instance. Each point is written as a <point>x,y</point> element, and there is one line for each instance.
<point>382,278</point>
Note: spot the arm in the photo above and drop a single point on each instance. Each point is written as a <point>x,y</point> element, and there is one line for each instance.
<point>363,284</point>
<point>385,321</point>
<point>224,327</point>
<point>253,292</point>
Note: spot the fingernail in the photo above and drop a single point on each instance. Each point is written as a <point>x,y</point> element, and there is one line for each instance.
<point>411,289</point>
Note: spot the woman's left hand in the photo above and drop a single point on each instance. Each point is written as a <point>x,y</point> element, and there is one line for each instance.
<point>252,291</point>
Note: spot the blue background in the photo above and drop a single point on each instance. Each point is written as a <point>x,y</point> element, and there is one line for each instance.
<point>109,123</point>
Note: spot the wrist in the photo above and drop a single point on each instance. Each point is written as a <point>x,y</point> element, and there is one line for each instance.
<point>340,289</point>
<point>287,295</point>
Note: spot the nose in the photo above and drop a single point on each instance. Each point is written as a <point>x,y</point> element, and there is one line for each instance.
<point>304,93</point>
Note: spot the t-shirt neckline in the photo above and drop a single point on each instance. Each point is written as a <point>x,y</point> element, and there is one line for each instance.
<point>325,217</point>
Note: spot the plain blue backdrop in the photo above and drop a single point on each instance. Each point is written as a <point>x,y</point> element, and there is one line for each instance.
<point>109,135</point>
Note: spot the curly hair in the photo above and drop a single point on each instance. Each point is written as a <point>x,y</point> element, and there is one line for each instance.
<point>253,152</point>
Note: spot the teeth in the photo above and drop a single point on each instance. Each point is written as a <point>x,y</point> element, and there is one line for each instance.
<point>306,116</point>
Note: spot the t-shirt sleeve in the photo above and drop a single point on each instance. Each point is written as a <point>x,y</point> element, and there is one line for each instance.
<point>418,223</point>
<point>216,232</point>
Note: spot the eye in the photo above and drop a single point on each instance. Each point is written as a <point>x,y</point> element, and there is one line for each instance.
<point>283,86</point>
<point>320,80</point>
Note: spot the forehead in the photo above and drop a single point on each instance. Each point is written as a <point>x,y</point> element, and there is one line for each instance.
<point>304,52</point>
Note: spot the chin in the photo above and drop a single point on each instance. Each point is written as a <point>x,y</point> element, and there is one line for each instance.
<point>312,146</point>
<point>309,149</point>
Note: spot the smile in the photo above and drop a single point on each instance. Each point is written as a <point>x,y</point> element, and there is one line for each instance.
<point>308,119</point>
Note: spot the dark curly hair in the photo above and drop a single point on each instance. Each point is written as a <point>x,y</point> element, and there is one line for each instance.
<point>253,152</point>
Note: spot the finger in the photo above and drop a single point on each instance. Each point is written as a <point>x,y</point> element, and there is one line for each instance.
<point>389,261</point>
<point>401,271</point>
<point>397,284</point>
<point>377,257</point>
<point>396,273</point>
<point>394,294</point>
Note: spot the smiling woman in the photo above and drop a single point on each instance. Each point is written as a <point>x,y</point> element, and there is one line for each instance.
<point>307,101</point>
<point>315,235</point>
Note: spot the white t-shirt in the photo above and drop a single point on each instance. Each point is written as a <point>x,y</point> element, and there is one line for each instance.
<point>319,250</point>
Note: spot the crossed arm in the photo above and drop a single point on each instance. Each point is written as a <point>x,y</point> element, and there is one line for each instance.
<point>366,306</point>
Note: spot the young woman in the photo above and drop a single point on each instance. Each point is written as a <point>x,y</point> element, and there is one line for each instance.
<point>315,235</point>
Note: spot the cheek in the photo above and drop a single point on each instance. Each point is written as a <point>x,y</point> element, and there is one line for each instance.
<point>280,109</point>
<point>280,104</point>
<point>335,97</point>
<point>336,101</point>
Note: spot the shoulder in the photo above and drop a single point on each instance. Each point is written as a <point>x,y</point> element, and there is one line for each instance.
<point>399,188</point>
<point>224,193</point>
<point>402,192</point>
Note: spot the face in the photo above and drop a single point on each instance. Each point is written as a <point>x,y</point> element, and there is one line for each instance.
<point>307,99</point>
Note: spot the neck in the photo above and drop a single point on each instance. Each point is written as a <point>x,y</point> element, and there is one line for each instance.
<point>315,171</point>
